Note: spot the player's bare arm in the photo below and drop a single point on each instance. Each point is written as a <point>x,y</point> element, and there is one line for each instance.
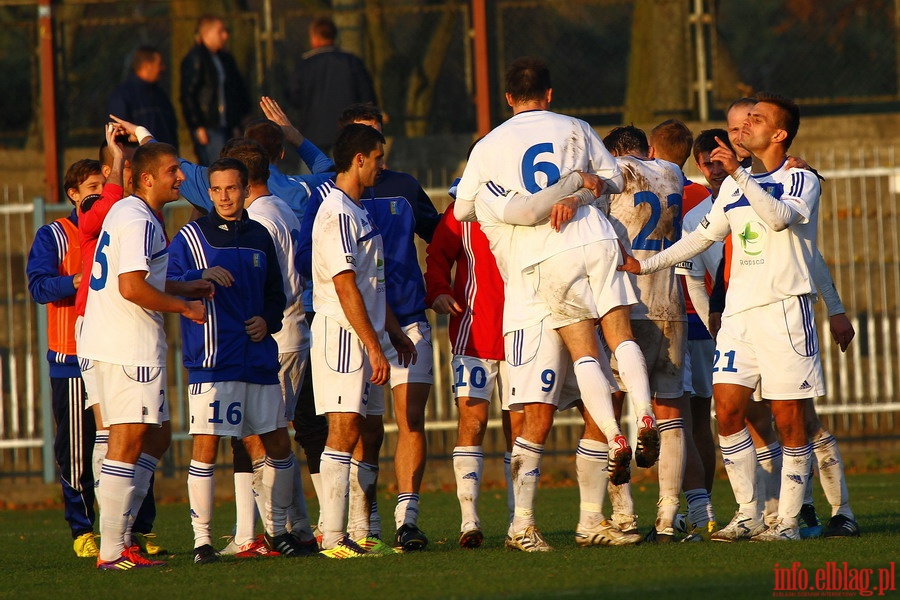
<point>135,133</point>
<point>133,286</point>
<point>274,113</point>
<point>445,304</point>
<point>355,310</point>
<point>118,154</point>
<point>218,275</point>
<point>406,349</point>
<point>197,289</point>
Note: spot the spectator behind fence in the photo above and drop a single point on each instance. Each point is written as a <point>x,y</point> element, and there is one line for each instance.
<point>214,97</point>
<point>327,81</point>
<point>140,99</point>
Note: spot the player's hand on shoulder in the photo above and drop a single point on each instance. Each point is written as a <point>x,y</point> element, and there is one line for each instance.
<point>195,310</point>
<point>76,280</point>
<point>256,328</point>
<point>796,162</point>
<point>219,275</point>
<point>445,304</point>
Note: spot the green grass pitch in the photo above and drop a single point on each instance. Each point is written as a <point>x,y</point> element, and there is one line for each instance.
<point>36,559</point>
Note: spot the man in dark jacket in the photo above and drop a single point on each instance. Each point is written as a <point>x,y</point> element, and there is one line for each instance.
<point>327,81</point>
<point>214,98</point>
<point>140,99</point>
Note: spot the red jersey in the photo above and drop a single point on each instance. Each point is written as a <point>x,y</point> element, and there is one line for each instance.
<point>89,226</point>
<point>476,285</point>
<point>694,194</point>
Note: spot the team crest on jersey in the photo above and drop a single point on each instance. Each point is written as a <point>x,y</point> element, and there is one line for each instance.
<point>351,259</point>
<point>395,207</point>
<point>704,223</point>
<point>751,237</point>
<point>257,260</point>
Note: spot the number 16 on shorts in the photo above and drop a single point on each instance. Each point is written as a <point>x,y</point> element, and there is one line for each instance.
<point>216,409</point>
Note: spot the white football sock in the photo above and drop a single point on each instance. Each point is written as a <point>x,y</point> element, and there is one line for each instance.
<point>201,490</point>
<point>363,479</point>
<point>317,486</point>
<point>143,472</point>
<point>260,493</point>
<point>768,481</point>
<point>101,443</point>
<point>245,508</point>
<point>700,509</point>
<point>622,502</point>
<point>335,471</point>
<point>468,464</point>
<point>374,516</point>
<point>298,514</point>
<point>407,510</point>
<point>114,496</point>
<point>739,458</point>
<point>591,461</point>
<point>525,462</point>
<point>510,490</point>
<point>671,470</point>
<point>831,473</point>
<point>633,372</point>
<point>278,481</point>
<point>794,472</point>
<point>595,395</point>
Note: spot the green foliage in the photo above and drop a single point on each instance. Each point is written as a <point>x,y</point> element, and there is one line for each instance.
<point>38,560</point>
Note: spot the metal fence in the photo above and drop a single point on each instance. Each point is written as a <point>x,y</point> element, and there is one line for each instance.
<point>859,234</point>
<point>684,58</point>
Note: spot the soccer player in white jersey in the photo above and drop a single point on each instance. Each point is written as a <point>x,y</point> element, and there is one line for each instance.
<point>352,325</point>
<point>768,333</point>
<point>530,151</point>
<point>759,416</point>
<point>293,339</point>
<point>126,298</point>
<point>647,217</point>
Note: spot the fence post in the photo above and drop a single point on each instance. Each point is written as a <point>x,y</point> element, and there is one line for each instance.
<point>47,457</point>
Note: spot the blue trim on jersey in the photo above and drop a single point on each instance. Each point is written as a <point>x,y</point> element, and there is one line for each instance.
<point>400,210</point>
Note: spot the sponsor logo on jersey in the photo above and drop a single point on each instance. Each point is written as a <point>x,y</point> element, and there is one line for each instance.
<point>351,259</point>
<point>704,223</point>
<point>752,238</point>
<point>688,264</point>
<point>805,386</point>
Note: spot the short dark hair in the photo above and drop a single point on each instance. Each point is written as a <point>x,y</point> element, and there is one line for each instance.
<point>361,111</point>
<point>252,155</point>
<point>789,111</point>
<point>268,134</point>
<point>706,141</point>
<point>527,78</point>
<point>147,158</point>
<point>745,101</point>
<point>78,173</point>
<point>672,140</point>
<point>144,54</point>
<point>624,140</point>
<point>324,28</point>
<point>227,163</point>
<point>354,139</point>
